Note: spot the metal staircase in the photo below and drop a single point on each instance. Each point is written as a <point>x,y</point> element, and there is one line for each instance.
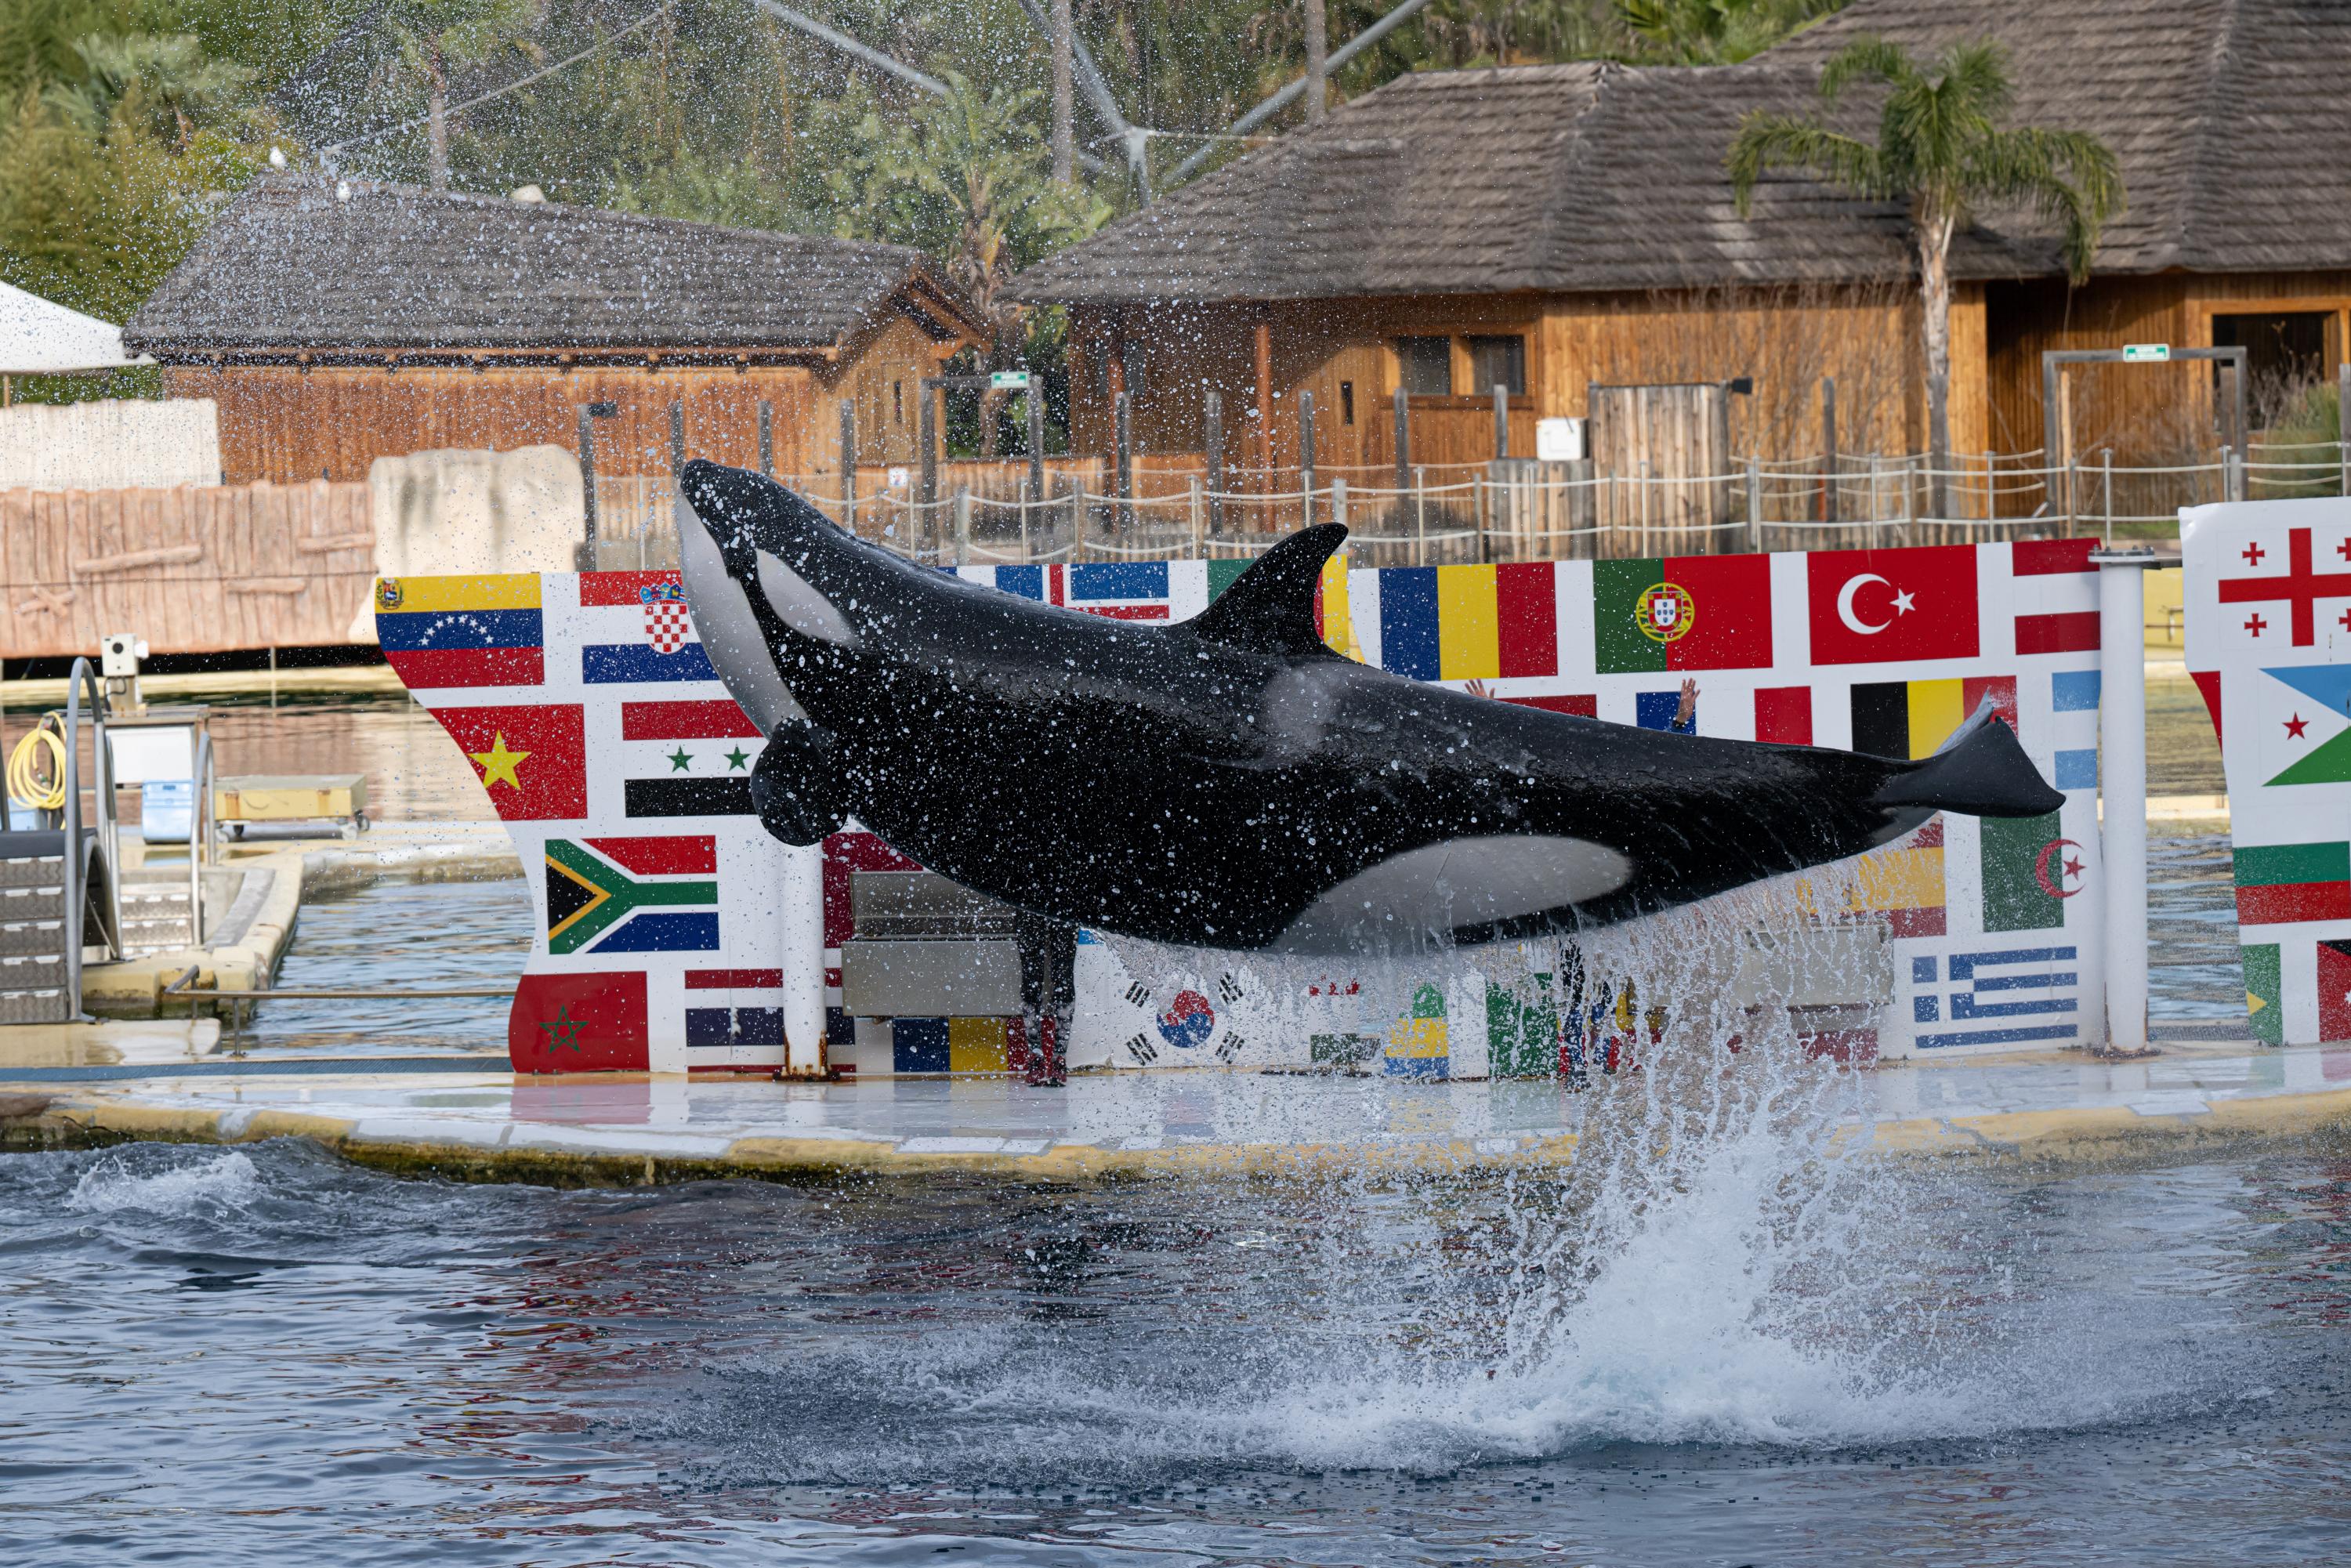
<point>60,883</point>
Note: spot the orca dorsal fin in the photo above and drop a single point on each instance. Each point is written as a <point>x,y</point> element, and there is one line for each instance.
<point>1270,608</point>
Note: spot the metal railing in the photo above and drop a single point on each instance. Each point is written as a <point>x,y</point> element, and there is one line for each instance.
<point>110,847</point>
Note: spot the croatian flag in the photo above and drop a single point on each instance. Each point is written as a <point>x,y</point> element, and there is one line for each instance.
<point>634,629</point>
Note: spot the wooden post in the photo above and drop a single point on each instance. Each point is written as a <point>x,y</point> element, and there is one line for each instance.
<point>927,442</point>
<point>676,441</point>
<point>1192,514</point>
<point>1339,501</point>
<point>1402,442</point>
<point>2343,424</point>
<point>1125,434</point>
<point>1035,434</point>
<point>1306,452</point>
<point>2107,469</point>
<point>587,483</point>
<point>1264,338</point>
<point>1420,509</point>
<point>1077,516</point>
<point>963,523</point>
<point>1027,551</point>
<point>767,438</point>
<point>1502,422</point>
<point>1064,155</point>
<point>1318,59</point>
<point>1875,539</point>
<point>1214,416</point>
<point>849,465</point>
<point>1755,504</point>
<point>1828,450</point>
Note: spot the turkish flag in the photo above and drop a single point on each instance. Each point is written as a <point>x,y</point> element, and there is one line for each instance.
<point>1876,607</point>
<point>579,1023</point>
<point>531,757</point>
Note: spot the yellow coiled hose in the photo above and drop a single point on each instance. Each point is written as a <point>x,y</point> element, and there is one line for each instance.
<point>25,786</point>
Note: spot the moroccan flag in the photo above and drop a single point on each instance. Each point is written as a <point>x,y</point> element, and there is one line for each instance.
<point>442,632</point>
<point>579,1023</point>
<point>2264,989</point>
<point>531,757</point>
<point>1911,718</point>
<point>2281,883</point>
<point>1682,612</point>
<point>1876,607</point>
<point>2023,875</point>
<point>632,894</point>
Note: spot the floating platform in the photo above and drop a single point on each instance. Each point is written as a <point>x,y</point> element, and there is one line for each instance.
<point>473,1119</point>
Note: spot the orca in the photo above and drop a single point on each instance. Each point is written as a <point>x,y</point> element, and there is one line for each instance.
<point>1230,781</point>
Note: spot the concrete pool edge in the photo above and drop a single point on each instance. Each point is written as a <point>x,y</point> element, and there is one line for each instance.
<point>413,1140</point>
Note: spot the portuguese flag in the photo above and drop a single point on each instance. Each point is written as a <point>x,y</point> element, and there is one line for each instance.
<point>2280,883</point>
<point>2014,895</point>
<point>2263,986</point>
<point>1682,612</point>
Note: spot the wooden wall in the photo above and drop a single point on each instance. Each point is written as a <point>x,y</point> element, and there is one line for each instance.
<point>289,425</point>
<point>196,569</point>
<point>1867,338</point>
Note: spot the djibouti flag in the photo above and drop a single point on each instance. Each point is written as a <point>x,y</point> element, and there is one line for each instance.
<point>2305,724</point>
<point>631,895</point>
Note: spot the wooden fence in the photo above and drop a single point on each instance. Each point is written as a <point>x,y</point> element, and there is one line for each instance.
<point>193,570</point>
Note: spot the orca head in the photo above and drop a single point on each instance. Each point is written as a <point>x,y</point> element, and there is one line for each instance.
<point>745,544</point>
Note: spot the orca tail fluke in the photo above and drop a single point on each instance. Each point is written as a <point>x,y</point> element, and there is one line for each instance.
<point>1982,771</point>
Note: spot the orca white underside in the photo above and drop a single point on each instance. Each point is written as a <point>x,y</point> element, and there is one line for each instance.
<point>1413,898</point>
<point>730,634</point>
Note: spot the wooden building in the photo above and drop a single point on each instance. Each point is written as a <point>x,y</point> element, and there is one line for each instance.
<point>336,323</point>
<point>1560,228</point>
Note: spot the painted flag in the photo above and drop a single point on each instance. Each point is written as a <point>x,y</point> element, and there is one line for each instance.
<point>1417,1044</point>
<point>531,757</point>
<point>638,632</point>
<point>1903,881</point>
<point>1334,620</point>
<point>2334,990</point>
<point>730,1008</point>
<point>2278,884</point>
<point>579,1023</point>
<point>2005,996</point>
<point>920,1045</point>
<point>2264,991</point>
<point>632,894</point>
<point>2029,869</point>
<point>1681,612</point>
<point>441,632</point>
<point>1119,590</point>
<point>1875,606</point>
<point>2277,588</point>
<point>2058,616</point>
<point>1784,715</point>
<point>1522,1029</point>
<point>687,758</point>
<point>1470,623</point>
<point>1584,704</point>
<point>1911,718</point>
<point>2305,724</point>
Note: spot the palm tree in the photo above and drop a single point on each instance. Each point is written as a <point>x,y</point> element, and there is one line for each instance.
<point>428,35</point>
<point>1941,151</point>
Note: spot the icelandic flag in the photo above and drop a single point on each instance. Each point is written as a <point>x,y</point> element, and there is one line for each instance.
<point>1118,590</point>
<point>2008,995</point>
<point>634,629</point>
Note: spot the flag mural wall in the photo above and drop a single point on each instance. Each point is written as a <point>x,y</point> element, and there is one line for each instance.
<point>621,771</point>
<point>2268,600</point>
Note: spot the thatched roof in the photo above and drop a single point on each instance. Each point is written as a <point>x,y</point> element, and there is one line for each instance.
<point>294,264</point>
<point>2227,116</point>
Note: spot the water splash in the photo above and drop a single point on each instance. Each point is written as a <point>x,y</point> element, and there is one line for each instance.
<point>224,1182</point>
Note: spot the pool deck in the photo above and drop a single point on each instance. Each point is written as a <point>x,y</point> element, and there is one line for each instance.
<point>450,1116</point>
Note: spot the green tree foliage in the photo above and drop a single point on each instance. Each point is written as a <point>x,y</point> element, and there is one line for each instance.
<point>1940,151</point>
<point>1715,32</point>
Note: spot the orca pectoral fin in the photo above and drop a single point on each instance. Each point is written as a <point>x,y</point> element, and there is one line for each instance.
<point>1984,774</point>
<point>1270,609</point>
<point>794,785</point>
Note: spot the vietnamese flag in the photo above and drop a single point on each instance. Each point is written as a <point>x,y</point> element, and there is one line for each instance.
<point>1878,607</point>
<point>579,1023</point>
<point>532,757</point>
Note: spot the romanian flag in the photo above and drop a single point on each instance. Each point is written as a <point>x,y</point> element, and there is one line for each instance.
<point>632,894</point>
<point>2281,883</point>
<point>1470,623</point>
<point>1911,718</point>
<point>441,632</point>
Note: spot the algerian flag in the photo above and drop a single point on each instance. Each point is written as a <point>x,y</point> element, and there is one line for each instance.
<point>2305,722</point>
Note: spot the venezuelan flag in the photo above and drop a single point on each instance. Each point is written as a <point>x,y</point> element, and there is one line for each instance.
<point>1911,718</point>
<point>463,630</point>
<point>1470,623</point>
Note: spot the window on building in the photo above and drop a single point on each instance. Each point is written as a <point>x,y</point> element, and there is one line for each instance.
<point>898,402</point>
<point>1497,361</point>
<point>2281,350</point>
<point>1346,402</point>
<point>1425,366</point>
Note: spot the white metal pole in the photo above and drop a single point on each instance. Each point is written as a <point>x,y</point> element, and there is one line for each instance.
<point>803,933</point>
<point>2122,777</point>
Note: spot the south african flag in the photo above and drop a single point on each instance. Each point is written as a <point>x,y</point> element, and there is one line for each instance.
<point>632,894</point>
